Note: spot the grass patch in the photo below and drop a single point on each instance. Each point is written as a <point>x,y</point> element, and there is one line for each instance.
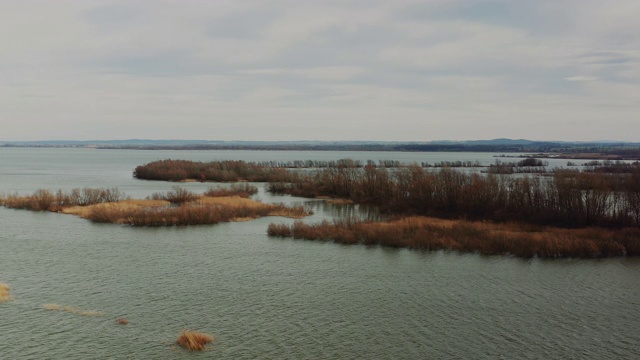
<point>194,340</point>
<point>5,294</point>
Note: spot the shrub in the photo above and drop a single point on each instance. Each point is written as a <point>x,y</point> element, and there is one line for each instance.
<point>243,190</point>
<point>193,340</point>
<point>5,294</point>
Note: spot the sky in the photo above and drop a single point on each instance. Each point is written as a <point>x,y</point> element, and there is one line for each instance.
<point>320,70</point>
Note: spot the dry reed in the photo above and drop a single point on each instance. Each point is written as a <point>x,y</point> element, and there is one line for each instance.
<point>72,310</point>
<point>194,340</point>
<point>168,211</point>
<point>517,239</point>
<point>122,321</point>
<point>5,294</point>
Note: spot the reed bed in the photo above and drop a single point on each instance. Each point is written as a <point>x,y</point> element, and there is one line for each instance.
<point>221,171</point>
<point>487,238</point>
<point>194,340</point>
<point>241,190</point>
<point>205,211</point>
<point>176,207</point>
<point>72,310</point>
<point>5,293</point>
<point>45,200</point>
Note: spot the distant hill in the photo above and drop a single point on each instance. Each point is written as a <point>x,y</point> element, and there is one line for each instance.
<point>626,149</point>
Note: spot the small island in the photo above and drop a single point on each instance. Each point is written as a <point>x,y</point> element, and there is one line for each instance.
<point>178,207</point>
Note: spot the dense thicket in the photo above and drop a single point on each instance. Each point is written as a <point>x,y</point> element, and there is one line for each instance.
<point>567,198</point>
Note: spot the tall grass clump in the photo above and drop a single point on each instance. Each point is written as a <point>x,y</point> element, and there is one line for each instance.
<point>5,294</point>
<point>177,195</point>
<point>193,340</point>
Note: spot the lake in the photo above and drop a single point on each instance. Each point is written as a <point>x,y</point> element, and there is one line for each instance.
<point>272,298</point>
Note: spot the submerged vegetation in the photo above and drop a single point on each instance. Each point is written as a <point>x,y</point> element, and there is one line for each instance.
<point>5,294</point>
<point>193,340</point>
<point>176,207</point>
<point>72,310</point>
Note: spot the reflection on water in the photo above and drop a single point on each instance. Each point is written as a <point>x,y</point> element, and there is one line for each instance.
<point>343,211</point>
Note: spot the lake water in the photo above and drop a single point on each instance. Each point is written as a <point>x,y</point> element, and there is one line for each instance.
<point>272,298</point>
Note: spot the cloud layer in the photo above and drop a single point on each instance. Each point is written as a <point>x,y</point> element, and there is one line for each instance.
<point>320,70</point>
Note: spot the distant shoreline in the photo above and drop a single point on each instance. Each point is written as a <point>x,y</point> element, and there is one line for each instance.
<point>554,149</point>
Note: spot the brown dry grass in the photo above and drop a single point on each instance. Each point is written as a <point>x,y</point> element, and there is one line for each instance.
<point>72,310</point>
<point>339,201</point>
<point>122,321</point>
<point>84,211</point>
<point>489,238</point>
<point>194,340</point>
<point>5,294</point>
<point>199,210</point>
<point>234,201</point>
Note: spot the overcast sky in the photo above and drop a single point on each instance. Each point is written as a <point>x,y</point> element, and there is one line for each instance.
<point>320,70</point>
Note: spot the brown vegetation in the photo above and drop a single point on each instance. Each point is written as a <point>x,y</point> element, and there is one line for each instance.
<point>177,195</point>
<point>122,321</point>
<point>45,200</point>
<point>204,211</point>
<point>517,239</point>
<point>220,171</point>
<point>568,198</point>
<point>177,207</point>
<point>242,190</point>
<point>194,340</point>
<point>5,294</point>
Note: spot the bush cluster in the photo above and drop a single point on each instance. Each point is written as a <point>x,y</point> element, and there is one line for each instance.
<point>45,200</point>
<point>568,198</point>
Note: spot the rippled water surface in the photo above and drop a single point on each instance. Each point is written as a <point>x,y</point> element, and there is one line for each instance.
<point>271,298</point>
